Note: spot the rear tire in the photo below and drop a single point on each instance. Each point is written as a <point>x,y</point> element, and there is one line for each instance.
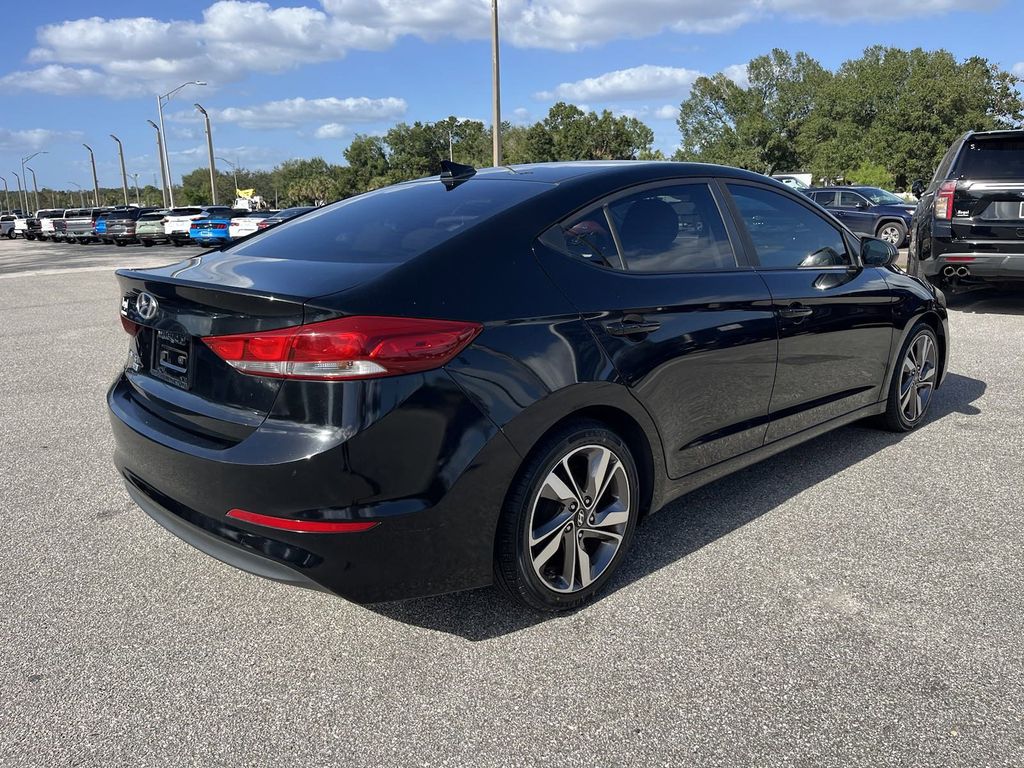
<point>893,232</point>
<point>147,243</point>
<point>568,519</point>
<point>120,243</point>
<point>914,380</point>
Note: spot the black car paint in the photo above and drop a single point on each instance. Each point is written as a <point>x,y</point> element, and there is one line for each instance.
<point>996,248</point>
<point>431,455</point>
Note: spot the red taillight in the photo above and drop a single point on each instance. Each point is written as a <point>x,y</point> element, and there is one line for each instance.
<point>218,226</point>
<point>346,348</point>
<point>301,526</point>
<point>944,200</point>
<point>263,225</point>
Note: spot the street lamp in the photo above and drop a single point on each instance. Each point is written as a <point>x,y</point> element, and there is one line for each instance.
<point>234,171</point>
<point>160,111</point>
<point>23,161</point>
<point>124,176</point>
<point>95,180</point>
<point>35,186</point>
<point>209,148</point>
<point>81,194</point>
<point>7,195</point>
<point>496,134</point>
<point>160,157</point>
<point>21,201</point>
<point>135,178</point>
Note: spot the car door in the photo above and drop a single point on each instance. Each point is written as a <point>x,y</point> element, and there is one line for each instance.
<point>854,210</point>
<point>688,326</point>
<point>835,316</point>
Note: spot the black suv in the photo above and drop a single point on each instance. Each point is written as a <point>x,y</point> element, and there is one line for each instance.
<point>969,223</point>
<point>867,211</point>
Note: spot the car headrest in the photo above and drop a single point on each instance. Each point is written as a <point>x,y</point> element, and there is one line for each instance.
<point>650,225</point>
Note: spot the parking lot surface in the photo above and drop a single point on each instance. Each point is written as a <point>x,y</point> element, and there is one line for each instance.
<point>853,601</point>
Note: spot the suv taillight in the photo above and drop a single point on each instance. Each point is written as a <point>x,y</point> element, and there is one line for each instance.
<point>346,348</point>
<point>944,200</point>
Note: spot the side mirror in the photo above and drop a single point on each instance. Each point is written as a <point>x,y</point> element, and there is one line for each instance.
<point>917,188</point>
<point>877,253</point>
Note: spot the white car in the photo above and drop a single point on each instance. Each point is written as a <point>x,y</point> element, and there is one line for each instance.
<point>246,225</point>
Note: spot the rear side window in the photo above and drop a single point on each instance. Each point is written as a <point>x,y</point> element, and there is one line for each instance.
<point>824,198</point>
<point>392,224</point>
<point>785,234</point>
<point>1001,158</point>
<point>850,200</point>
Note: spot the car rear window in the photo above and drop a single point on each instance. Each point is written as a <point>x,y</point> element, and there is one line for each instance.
<point>152,216</point>
<point>1001,158</point>
<point>126,214</point>
<point>392,224</point>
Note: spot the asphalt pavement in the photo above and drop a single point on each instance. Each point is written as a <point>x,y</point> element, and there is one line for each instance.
<point>856,601</point>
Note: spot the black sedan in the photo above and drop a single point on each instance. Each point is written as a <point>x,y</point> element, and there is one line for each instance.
<point>496,375</point>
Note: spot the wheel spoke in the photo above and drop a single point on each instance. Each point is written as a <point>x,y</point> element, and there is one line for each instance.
<point>597,474</point>
<point>583,558</point>
<point>611,536</point>
<point>549,551</point>
<point>569,565</point>
<point>614,514</point>
<point>927,372</point>
<point>572,480</point>
<point>905,389</point>
<point>550,527</point>
<point>556,489</point>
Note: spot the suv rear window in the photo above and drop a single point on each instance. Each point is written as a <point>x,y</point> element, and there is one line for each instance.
<point>390,225</point>
<point>1001,158</point>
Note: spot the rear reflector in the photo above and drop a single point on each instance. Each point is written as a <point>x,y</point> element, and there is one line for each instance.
<point>944,200</point>
<point>346,348</point>
<point>301,526</point>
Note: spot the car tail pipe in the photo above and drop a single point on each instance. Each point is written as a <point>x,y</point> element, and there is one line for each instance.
<point>962,272</point>
<point>949,272</point>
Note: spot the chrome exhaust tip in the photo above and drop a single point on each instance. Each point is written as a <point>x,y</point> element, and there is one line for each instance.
<point>949,271</point>
<point>962,272</point>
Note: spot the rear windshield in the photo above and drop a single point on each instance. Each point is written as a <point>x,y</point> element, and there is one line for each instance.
<point>151,216</point>
<point>391,224</point>
<point>1001,158</point>
<point>185,211</point>
<point>125,214</point>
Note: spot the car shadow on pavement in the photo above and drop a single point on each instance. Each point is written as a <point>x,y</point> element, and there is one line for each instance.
<point>988,301</point>
<point>688,524</point>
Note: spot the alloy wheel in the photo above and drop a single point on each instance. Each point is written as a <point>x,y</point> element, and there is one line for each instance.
<point>917,379</point>
<point>578,518</point>
<point>891,234</point>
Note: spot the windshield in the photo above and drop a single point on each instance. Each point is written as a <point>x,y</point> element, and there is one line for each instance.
<point>880,196</point>
<point>391,224</point>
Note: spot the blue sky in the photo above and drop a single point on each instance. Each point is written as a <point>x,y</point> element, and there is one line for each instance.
<point>300,79</point>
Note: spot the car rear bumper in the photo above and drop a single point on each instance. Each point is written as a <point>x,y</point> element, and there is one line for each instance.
<point>178,237</point>
<point>432,472</point>
<point>979,263</point>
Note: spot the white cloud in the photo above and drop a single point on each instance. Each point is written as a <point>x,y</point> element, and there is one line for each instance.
<point>234,38</point>
<point>292,113</point>
<point>738,74</point>
<point>667,112</point>
<point>641,82</point>
<point>330,131</point>
<point>1018,69</point>
<point>33,139</point>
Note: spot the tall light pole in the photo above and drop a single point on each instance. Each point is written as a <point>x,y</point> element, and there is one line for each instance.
<point>21,200</point>
<point>135,178</point>
<point>160,111</point>
<point>496,86</point>
<point>35,186</point>
<point>160,156</point>
<point>7,195</point>
<point>81,194</point>
<point>234,171</point>
<point>124,176</point>
<point>209,149</point>
<point>23,161</point>
<point>95,180</point>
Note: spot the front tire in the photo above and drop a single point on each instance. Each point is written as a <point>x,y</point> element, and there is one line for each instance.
<point>568,519</point>
<point>914,380</point>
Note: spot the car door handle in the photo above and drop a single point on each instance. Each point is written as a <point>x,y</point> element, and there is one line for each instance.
<point>632,327</point>
<point>794,311</point>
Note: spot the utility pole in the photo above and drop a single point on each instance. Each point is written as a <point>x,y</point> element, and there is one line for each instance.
<point>135,178</point>
<point>209,149</point>
<point>23,161</point>
<point>81,195</point>
<point>35,186</point>
<point>496,86</point>
<point>7,195</point>
<point>95,180</point>
<point>124,176</point>
<point>160,112</point>
<point>160,155</point>
<point>21,200</point>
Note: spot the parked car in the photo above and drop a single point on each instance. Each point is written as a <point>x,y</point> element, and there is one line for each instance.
<point>798,181</point>
<point>867,211</point>
<point>213,228</point>
<point>412,391</point>
<point>80,225</point>
<point>178,222</point>
<point>149,228</point>
<point>121,224</point>
<point>7,225</point>
<point>22,228</point>
<point>968,227</point>
<point>47,218</point>
<point>282,216</point>
<point>100,229</point>
<point>243,226</point>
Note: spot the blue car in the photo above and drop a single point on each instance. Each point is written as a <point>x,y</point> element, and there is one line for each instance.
<point>214,228</point>
<point>867,211</point>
